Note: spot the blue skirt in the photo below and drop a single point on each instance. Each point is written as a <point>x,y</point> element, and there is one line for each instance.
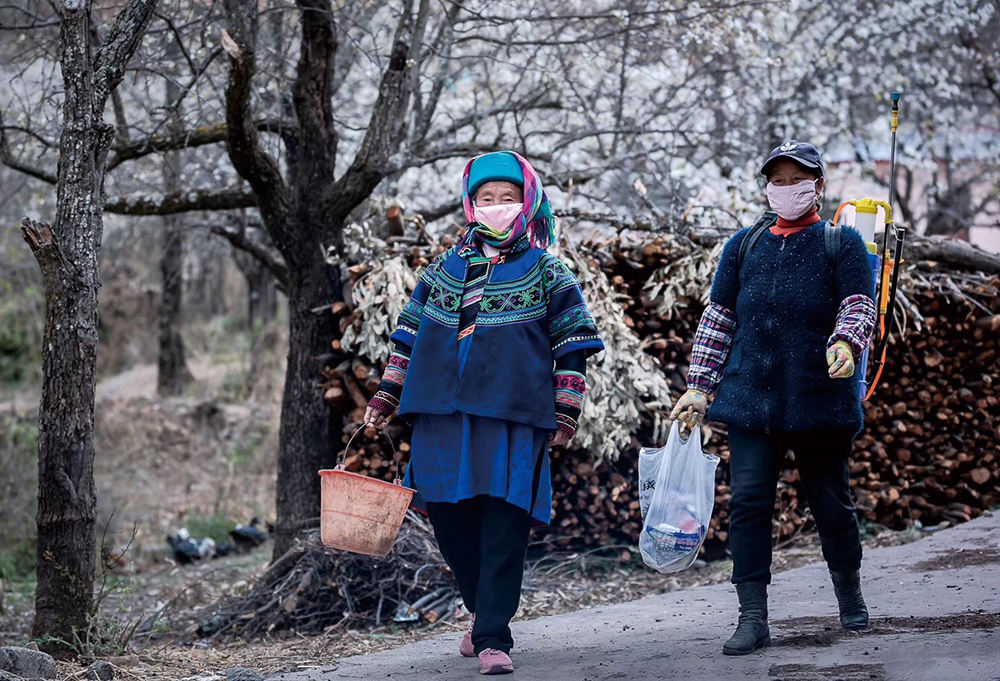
<point>460,456</point>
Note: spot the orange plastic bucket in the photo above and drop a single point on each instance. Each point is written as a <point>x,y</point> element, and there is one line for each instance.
<point>361,514</point>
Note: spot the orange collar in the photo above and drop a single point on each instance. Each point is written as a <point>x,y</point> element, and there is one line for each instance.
<point>786,228</point>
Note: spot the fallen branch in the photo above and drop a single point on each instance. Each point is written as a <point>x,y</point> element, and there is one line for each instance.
<point>959,254</point>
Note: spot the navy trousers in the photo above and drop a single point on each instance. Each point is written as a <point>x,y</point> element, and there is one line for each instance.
<point>484,540</point>
<point>756,459</point>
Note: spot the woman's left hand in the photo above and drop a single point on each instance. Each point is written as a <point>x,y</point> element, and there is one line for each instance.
<point>840,357</point>
<point>558,438</point>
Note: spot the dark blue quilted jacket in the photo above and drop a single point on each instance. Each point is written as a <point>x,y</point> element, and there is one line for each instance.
<point>786,301</point>
<point>531,314</point>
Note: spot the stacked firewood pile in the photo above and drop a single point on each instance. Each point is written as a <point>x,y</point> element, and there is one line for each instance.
<point>929,452</point>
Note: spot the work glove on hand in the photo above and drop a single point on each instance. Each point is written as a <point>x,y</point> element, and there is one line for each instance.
<point>840,357</point>
<point>690,409</point>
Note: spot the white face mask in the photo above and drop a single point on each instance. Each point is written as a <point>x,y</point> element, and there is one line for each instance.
<point>498,218</point>
<point>792,201</point>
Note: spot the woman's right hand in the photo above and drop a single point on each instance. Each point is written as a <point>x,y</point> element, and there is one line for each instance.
<point>374,417</point>
<point>690,408</point>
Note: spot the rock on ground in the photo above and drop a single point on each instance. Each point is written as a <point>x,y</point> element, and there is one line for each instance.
<point>28,664</point>
<point>100,671</point>
<point>243,674</point>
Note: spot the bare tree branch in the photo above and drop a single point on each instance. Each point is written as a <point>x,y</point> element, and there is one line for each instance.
<point>424,114</point>
<point>265,256</point>
<point>386,130</point>
<point>534,101</point>
<point>250,160</point>
<point>440,154</point>
<point>47,143</point>
<point>621,222</point>
<point>117,50</point>
<point>312,96</point>
<point>182,202</point>
<point>196,76</point>
<point>8,158</point>
<point>416,50</point>
<point>188,139</point>
<point>437,212</point>
<point>958,253</point>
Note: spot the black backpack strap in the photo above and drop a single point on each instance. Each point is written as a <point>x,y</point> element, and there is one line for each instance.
<point>766,221</point>
<point>831,239</point>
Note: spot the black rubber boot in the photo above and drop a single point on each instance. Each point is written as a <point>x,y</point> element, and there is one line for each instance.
<point>751,632</point>
<point>853,611</point>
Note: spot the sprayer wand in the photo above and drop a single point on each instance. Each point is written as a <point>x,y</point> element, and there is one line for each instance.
<point>889,278</point>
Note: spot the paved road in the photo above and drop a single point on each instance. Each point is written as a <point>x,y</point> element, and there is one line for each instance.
<point>936,617</point>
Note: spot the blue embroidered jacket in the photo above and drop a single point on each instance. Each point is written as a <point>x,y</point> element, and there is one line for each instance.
<point>786,299</point>
<point>532,313</point>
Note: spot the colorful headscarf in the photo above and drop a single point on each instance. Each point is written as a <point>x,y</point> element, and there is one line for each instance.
<point>536,219</point>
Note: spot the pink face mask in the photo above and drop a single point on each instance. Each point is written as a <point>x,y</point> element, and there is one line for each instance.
<point>792,201</point>
<point>498,218</point>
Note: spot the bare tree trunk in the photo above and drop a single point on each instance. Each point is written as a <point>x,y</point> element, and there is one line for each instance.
<point>304,445</point>
<point>262,298</point>
<point>216,277</point>
<point>262,290</point>
<point>67,253</point>
<point>198,289</point>
<point>172,372</point>
<point>304,215</point>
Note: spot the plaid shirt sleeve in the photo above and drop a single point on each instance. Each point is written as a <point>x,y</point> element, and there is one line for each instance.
<point>712,343</point>
<point>855,323</point>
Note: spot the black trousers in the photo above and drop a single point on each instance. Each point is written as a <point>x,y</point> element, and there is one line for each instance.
<point>484,540</point>
<point>756,459</point>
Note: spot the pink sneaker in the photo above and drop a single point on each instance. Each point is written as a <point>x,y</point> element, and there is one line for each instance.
<point>492,661</point>
<point>466,648</point>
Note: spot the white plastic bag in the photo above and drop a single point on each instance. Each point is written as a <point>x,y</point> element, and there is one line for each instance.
<point>649,468</point>
<point>676,522</point>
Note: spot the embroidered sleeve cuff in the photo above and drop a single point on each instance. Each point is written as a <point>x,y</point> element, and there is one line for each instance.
<point>384,403</point>
<point>855,323</point>
<point>570,389</point>
<point>386,399</point>
<point>571,326</point>
<point>712,343</point>
<point>566,424</point>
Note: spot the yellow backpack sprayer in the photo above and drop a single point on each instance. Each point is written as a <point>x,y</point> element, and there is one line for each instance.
<point>885,269</point>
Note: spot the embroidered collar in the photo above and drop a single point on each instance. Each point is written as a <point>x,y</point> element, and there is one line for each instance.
<point>469,251</point>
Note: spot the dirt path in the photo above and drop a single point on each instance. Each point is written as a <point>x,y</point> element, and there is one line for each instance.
<point>936,617</point>
<point>138,381</point>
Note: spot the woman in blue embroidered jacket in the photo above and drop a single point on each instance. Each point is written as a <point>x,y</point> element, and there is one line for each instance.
<point>489,364</point>
<point>777,347</point>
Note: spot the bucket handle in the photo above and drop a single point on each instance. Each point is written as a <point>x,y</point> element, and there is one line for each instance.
<point>395,454</point>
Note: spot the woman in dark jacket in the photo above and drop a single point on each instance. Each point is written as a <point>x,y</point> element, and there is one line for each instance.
<point>777,348</point>
<point>489,363</point>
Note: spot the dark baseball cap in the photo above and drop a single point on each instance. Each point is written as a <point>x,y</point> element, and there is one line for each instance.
<point>803,153</point>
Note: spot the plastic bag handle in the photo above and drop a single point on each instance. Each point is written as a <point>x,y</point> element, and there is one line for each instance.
<point>690,433</point>
<point>342,459</point>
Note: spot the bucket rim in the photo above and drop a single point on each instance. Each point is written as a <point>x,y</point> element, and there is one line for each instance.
<point>337,471</point>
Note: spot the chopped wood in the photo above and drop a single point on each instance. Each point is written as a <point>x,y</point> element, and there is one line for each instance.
<point>930,450</point>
